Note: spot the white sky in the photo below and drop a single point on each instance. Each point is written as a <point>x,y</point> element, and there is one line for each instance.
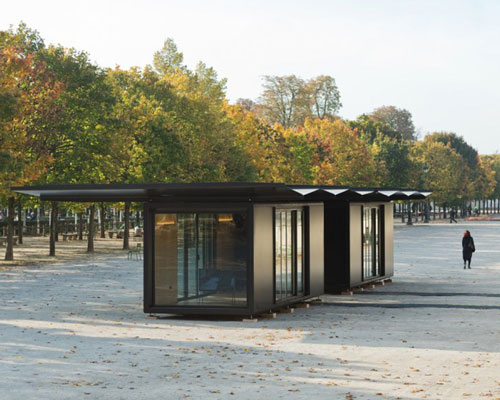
<point>438,59</point>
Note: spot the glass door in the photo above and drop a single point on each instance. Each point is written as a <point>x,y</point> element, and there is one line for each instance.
<point>371,252</point>
<point>289,253</point>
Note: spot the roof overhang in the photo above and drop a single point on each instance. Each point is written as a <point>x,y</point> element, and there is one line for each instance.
<point>225,191</point>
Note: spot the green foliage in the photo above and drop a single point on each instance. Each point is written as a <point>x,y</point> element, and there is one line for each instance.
<point>446,176</point>
<point>168,59</point>
<point>398,119</point>
<point>368,129</point>
<point>393,161</point>
<point>64,119</point>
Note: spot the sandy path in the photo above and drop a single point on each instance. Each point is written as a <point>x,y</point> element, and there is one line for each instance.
<point>77,330</point>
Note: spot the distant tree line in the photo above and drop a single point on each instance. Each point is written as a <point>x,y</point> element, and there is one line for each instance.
<point>64,119</point>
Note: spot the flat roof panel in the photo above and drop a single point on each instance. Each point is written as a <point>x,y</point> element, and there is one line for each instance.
<point>198,191</point>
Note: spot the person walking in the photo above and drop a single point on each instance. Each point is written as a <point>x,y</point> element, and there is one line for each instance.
<point>468,247</point>
<point>452,216</point>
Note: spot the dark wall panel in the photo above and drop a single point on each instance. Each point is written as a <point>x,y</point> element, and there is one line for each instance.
<point>336,246</point>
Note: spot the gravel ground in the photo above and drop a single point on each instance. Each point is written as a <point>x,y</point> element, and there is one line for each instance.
<point>76,330</point>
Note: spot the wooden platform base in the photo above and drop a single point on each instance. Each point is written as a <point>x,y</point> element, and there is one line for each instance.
<point>288,310</point>
<point>268,315</point>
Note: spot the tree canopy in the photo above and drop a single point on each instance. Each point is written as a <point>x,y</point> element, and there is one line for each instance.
<point>64,119</point>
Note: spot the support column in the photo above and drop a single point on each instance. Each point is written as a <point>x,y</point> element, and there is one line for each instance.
<point>410,222</point>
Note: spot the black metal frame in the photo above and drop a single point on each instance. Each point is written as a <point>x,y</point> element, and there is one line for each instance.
<point>305,256</point>
<point>150,209</point>
<point>380,251</point>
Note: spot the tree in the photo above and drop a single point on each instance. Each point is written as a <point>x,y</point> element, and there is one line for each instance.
<point>324,97</point>
<point>446,176</point>
<point>289,100</point>
<point>275,154</point>
<point>90,237</point>
<point>479,176</point>
<point>493,163</point>
<point>340,158</point>
<point>285,100</point>
<point>368,129</point>
<point>398,119</point>
<point>393,162</point>
<point>28,95</point>
<point>246,104</point>
<point>126,229</point>
<point>468,153</point>
<point>168,59</point>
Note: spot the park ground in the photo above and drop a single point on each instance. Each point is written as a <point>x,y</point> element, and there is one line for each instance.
<point>75,329</point>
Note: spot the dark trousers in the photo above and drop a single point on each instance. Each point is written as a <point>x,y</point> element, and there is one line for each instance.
<point>466,259</point>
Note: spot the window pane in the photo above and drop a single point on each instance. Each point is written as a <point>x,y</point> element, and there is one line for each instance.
<point>283,254</point>
<point>278,253</point>
<point>289,251</point>
<point>200,259</point>
<point>371,241</point>
<point>300,252</point>
<point>289,261</point>
<point>166,260</point>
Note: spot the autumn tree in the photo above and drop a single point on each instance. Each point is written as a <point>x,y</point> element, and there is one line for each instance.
<point>285,100</point>
<point>168,59</point>
<point>369,129</point>
<point>445,176</point>
<point>324,97</point>
<point>493,163</point>
<point>29,92</point>
<point>340,157</point>
<point>480,181</point>
<point>289,100</point>
<point>398,119</point>
<point>275,154</point>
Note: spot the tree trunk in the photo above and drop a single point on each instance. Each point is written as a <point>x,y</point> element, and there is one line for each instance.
<point>90,242</point>
<point>56,215</point>
<point>52,230</point>
<point>9,251</point>
<point>20,221</point>
<point>80,226</point>
<point>38,220</point>
<point>127,227</point>
<point>103,217</point>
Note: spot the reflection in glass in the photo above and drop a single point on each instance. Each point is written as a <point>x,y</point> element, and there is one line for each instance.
<point>289,253</point>
<point>370,238</point>
<point>200,259</point>
<point>300,262</point>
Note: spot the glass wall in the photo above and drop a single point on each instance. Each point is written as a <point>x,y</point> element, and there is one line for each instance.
<point>371,242</point>
<point>200,259</point>
<point>289,253</point>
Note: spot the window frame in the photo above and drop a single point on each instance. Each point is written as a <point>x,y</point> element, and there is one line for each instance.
<point>305,264</point>
<point>151,209</point>
<point>380,247</point>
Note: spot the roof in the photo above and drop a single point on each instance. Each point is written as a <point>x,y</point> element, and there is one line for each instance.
<point>224,191</point>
